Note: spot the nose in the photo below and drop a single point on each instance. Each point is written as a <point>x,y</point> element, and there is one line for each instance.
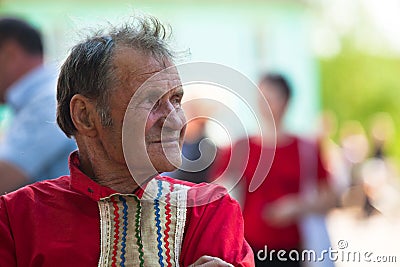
<point>172,118</point>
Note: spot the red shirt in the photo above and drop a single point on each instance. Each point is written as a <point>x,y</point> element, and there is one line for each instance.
<point>57,223</point>
<point>282,179</point>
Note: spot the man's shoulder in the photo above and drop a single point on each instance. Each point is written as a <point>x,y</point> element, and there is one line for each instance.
<point>39,190</point>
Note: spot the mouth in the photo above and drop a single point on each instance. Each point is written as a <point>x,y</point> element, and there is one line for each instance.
<point>162,146</point>
<point>164,141</point>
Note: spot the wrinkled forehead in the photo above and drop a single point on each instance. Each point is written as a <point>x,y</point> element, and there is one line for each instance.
<point>145,73</point>
<point>160,82</point>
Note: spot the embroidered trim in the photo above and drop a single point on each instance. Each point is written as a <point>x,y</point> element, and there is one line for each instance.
<point>158,222</point>
<point>137,233</point>
<point>116,232</point>
<point>181,198</point>
<point>105,238</point>
<point>124,242</point>
<point>125,228</point>
<point>167,224</point>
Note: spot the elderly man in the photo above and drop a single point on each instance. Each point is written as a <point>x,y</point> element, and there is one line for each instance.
<point>120,98</point>
<point>33,147</point>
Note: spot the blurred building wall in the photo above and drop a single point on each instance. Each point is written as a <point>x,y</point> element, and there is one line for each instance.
<point>250,36</point>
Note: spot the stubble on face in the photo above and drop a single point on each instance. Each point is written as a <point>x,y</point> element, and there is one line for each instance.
<point>149,136</point>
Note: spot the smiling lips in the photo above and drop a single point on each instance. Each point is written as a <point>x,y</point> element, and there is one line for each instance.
<point>164,140</point>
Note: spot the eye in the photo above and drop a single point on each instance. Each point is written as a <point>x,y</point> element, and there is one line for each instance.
<point>176,100</point>
<point>151,102</point>
<point>154,104</point>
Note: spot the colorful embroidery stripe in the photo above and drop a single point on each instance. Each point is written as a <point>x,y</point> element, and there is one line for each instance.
<point>105,226</point>
<point>167,225</point>
<point>137,233</point>
<point>158,222</point>
<point>116,232</point>
<point>180,216</point>
<point>125,228</point>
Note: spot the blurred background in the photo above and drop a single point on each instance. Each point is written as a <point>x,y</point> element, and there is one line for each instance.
<point>342,58</point>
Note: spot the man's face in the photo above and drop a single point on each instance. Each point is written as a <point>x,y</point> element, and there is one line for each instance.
<point>276,101</point>
<point>4,70</point>
<point>152,129</point>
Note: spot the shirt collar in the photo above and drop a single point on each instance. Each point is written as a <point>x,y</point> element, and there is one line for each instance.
<point>84,184</point>
<point>21,91</point>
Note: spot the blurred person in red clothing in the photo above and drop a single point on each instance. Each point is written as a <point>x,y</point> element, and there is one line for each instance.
<point>272,212</point>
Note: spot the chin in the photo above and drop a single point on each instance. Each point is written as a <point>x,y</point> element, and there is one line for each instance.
<point>168,169</point>
<point>163,164</point>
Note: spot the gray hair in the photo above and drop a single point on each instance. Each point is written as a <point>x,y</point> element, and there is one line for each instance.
<point>88,70</point>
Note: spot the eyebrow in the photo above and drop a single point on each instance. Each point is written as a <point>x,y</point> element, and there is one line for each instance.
<point>158,93</point>
<point>142,73</point>
<point>147,73</point>
<point>178,89</point>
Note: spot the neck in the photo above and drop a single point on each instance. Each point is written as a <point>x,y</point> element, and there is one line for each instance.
<point>104,170</point>
<point>117,178</point>
<point>275,136</point>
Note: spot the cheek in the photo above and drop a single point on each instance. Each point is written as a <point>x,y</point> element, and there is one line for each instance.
<point>150,121</point>
<point>182,117</point>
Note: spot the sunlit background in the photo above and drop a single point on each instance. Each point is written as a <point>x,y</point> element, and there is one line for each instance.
<point>342,58</point>
<point>339,55</point>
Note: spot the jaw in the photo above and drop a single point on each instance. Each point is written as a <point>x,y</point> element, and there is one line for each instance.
<point>165,157</point>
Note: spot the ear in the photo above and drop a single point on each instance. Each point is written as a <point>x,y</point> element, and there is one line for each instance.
<point>83,114</point>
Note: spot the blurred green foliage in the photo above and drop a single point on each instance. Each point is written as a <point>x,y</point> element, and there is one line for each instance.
<point>356,85</point>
